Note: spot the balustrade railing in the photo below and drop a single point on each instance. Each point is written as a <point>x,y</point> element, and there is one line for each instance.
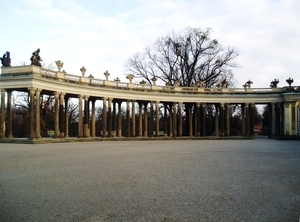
<point>91,81</point>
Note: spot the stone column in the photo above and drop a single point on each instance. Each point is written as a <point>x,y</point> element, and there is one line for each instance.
<point>133,118</point>
<point>66,117</point>
<point>32,116</point>
<point>273,120</point>
<point>175,119</point>
<point>114,127</point>
<point>9,114</point>
<point>151,119</point>
<point>247,106</point>
<point>171,120</point>
<point>93,123</point>
<point>217,120</point>
<point>157,119</point>
<point>281,113</point>
<point>86,117</point>
<point>128,117</point>
<point>227,120</point>
<point>38,114</point>
<point>252,106</point>
<point>80,118</point>
<point>56,118</point>
<point>145,119</point>
<point>104,118</point>
<point>196,119</point>
<point>61,114</point>
<point>2,114</point>
<point>243,120</point>
<point>180,119</point>
<point>109,117</point>
<point>221,110</point>
<point>140,119</point>
<point>119,119</point>
<point>203,119</point>
<point>165,120</point>
<point>190,121</point>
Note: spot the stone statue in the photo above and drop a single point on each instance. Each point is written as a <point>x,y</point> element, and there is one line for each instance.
<point>35,58</point>
<point>6,60</point>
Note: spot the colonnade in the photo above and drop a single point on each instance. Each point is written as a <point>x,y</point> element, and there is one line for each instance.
<point>142,119</point>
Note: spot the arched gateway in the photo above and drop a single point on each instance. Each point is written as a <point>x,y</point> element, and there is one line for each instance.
<point>284,103</point>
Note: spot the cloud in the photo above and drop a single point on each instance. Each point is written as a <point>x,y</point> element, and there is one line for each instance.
<point>102,35</point>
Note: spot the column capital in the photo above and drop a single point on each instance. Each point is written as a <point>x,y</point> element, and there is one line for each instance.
<point>56,94</point>
<point>38,91</point>
<point>86,98</point>
<point>203,105</point>
<point>32,90</point>
<point>198,104</point>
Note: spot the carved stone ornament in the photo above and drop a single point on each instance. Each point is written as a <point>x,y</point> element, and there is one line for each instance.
<point>6,60</point>
<point>83,70</point>
<point>130,77</point>
<point>35,58</point>
<point>59,64</point>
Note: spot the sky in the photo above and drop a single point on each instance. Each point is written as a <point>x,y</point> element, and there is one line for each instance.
<point>102,35</point>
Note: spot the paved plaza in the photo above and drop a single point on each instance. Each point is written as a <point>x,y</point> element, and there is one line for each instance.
<point>167,180</point>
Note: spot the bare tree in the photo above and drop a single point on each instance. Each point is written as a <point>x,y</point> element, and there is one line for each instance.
<point>185,59</point>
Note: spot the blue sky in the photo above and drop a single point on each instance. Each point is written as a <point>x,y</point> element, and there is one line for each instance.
<point>101,35</point>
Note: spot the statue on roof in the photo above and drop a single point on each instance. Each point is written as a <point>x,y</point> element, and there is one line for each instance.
<point>35,58</point>
<point>6,60</point>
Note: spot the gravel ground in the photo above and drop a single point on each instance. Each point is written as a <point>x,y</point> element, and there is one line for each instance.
<point>178,180</point>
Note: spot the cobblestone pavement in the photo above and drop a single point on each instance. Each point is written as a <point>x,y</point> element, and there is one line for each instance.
<point>178,180</point>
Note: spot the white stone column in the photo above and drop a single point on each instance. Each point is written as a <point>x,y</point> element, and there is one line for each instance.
<point>2,114</point>
<point>38,114</point>
<point>80,118</point>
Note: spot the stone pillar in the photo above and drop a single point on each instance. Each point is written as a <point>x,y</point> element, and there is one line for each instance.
<point>227,133</point>
<point>190,121</point>
<point>151,119</point>
<point>32,116</point>
<point>140,119</point>
<point>217,120</point>
<point>128,118</point>
<point>197,121</point>
<point>38,115</point>
<point>145,119</point>
<point>157,119</point>
<point>165,120</point>
<point>104,118</point>
<point>273,120</point>
<point>66,117</point>
<point>109,117</point>
<point>247,106</point>
<point>180,119</point>
<point>119,119</point>
<point>203,119</point>
<point>251,107</point>
<point>175,119</point>
<point>56,116</point>
<point>171,121</point>
<point>243,120</point>
<point>221,125</point>
<point>2,114</point>
<point>133,118</point>
<point>61,114</point>
<point>9,114</point>
<point>93,123</point>
<point>114,127</point>
<point>80,118</point>
<point>86,117</point>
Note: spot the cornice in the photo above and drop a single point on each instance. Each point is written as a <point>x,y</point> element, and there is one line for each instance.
<point>119,93</point>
